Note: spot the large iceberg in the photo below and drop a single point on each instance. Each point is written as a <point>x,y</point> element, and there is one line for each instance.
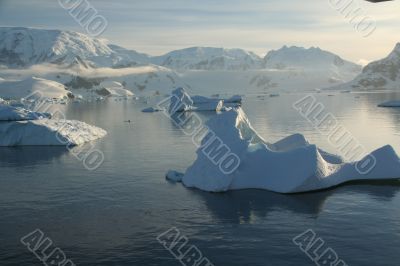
<point>11,113</point>
<point>291,165</point>
<point>20,127</point>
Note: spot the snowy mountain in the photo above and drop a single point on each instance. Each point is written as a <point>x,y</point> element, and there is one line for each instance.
<point>309,59</point>
<point>24,47</point>
<point>209,58</point>
<point>381,74</point>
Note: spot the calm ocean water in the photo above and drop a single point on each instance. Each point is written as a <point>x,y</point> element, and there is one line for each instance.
<point>113,215</point>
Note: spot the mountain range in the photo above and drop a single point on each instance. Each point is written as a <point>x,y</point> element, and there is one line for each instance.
<point>83,62</point>
<point>24,47</point>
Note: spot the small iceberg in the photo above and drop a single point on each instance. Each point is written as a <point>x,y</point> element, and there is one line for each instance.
<point>21,127</point>
<point>174,176</point>
<point>390,104</point>
<point>241,159</point>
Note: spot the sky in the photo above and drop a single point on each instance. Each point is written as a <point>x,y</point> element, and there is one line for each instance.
<point>159,26</point>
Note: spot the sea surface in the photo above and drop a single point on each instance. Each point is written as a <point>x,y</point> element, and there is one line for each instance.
<point>114,214</point>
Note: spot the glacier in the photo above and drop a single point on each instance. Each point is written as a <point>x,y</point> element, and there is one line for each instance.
<point>292,165</point>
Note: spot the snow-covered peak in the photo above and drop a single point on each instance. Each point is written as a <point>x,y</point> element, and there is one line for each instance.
<point>311,58</point>
<point>209,58</point>
<point>381,74</point>
<point>22,47</point>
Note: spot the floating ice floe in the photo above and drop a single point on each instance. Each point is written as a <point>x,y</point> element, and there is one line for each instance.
<point>291,165</point>
<point>390,104</point>
<point>20,127</point>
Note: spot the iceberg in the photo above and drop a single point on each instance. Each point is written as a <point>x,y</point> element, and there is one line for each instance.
<point>181,101</point>
<point>21,127</point>
<point>291,165</point>
<point>11,113</point>
<point>390,104</point>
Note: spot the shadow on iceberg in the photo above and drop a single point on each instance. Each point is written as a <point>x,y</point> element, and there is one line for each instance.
<point>291,165</point>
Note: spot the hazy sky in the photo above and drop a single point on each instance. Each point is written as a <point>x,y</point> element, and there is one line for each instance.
<point>158,26</point>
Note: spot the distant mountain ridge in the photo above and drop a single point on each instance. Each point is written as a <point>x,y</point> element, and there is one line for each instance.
<point>209,58</point>
<point>24,47</point>
<point>312,58</point>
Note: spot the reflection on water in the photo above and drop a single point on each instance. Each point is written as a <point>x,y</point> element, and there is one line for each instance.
<point>30,155</point>
<point>244,205</point>
<point>113,215</point>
